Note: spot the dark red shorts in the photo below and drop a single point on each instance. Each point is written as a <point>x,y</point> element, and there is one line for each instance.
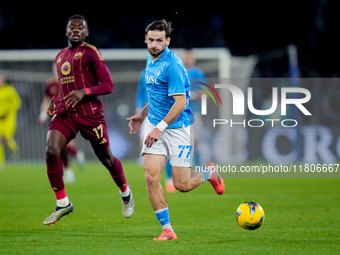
<point>92,128</point>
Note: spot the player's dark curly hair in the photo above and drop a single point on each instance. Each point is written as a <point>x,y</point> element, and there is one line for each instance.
<point>160,25</point>
<point>77,16</point>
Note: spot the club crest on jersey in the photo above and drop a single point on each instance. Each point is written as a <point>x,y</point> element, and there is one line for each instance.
<point>65,68</point>
<point>78,56</point>
<point>158,73</point>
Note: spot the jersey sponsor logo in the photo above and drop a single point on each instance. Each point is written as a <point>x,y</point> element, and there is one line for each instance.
<point>65,68</point>
<point>67,79</point>
<point>150,79</point>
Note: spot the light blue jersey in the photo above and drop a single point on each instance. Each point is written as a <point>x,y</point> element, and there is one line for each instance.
<point>164,78</point>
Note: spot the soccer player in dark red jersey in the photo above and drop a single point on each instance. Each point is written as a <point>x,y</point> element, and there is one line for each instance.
<point>51,89</point>
<point>83,76</point>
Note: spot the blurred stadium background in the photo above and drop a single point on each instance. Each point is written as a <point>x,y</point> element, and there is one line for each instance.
<point>242,39</point>
<point>233,38</point>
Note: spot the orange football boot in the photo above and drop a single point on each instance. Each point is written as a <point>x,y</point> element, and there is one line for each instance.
<point>216,180</point>
<point>167,235</point>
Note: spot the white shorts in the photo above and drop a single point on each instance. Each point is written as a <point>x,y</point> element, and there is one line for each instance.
<point>174,143</point>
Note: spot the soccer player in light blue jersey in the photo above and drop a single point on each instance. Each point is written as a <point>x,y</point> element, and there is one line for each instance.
<point>141,101</point>
<point>167,128</point>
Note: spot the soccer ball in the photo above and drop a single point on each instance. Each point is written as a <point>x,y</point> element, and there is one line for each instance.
<point>249,215</point>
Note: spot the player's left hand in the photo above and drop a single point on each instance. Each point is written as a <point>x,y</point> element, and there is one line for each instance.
<point>152,137</point>
<point>74,97</point>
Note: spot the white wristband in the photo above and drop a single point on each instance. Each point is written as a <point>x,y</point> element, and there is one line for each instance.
<point>162,125</point>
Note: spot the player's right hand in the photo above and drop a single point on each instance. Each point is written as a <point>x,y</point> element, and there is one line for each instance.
<point>51,108</point>
<point>152,137</point>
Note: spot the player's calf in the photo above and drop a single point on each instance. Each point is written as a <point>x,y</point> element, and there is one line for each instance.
<point>183,187</point>
<point>184,180</point>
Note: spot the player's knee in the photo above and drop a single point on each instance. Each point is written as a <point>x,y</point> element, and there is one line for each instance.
<point>105,156</point>
<point>52,152</point>
<point>107,162</point>
<point>151,180</point>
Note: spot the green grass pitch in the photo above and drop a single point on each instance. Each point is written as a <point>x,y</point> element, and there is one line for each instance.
<point>302,216</point>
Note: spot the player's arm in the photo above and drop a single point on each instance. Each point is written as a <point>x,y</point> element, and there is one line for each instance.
<point>52,105</point>
<point>175,111</point>
<point>136,120</point>
<point>102,73</point>
<point>105,83</point>
<point>43,109</point>
<point>176,89</point>
<point>14,100</point>
<point>177,108</point>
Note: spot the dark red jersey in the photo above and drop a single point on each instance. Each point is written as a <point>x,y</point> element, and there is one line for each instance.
<point>78,68</point>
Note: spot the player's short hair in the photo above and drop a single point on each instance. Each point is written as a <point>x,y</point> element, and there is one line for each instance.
<point>77,16</point>
<point>160,25</point>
